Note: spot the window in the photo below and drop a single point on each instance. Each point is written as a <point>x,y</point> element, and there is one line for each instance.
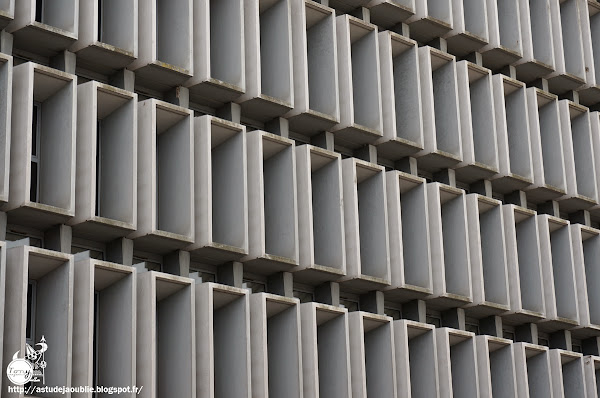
<point>94,253</point>
<point>98,165</point>
<point>95,339</point>
<point>30,328</point>
<point>149,265</point>
<point>39,9</point>
<point>304,297</point>
<point>472,327</point>
<point>254,286</point>
<point>393,313</point>
<point>202,276</point>
<point>34,189</point>
<point>351,305</point>
<point>100,10</point>
<point>507,334</point>
<point>434,320</point>
<point>12,236</point>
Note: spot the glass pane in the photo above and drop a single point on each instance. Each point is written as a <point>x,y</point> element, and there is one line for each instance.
<point>33,188</point>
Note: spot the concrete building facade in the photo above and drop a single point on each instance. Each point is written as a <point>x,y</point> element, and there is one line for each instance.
<point>304,199</point>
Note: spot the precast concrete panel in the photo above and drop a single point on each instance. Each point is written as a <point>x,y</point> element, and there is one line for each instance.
<point>408,226</point>
<point>538,47</point>
<point>316,87</point>
<point>469,27</point>
<point>108,34</point>
<point>512,129</point>
<point>275,346</point>
<point>532,367</point>
<point>220,191</point>
<point>322,251</point>
<point>222,341</point>
<point>361,120</point>
<point>457,363</point>
<point>449,245</point>
<point>547,155</point>
<point>390,13</point>
<point>432,19</point>
<point>487,249</point>
<point>52,318</point>
<point>325,351</point>
<point>45,196</point>
<point>48,30</point>
<point>505,39</point>
<point>104,325</point>
<point>165,339</point>
<point>441,123</point>
<point>401,87</point>
<point>218,52</point>
<point>477,123</point>
<point>416,359</point>
<point>165,195</point>
<point>523,259</point>
<point>269,59</point>
<point>272,204</point>
<point>580,168</point>
<point>495,367</point>
<point>106,172</point>
<point>566,369</point>
<point>365,225</point>
<point>372,355</point>
<point>165,53</point>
